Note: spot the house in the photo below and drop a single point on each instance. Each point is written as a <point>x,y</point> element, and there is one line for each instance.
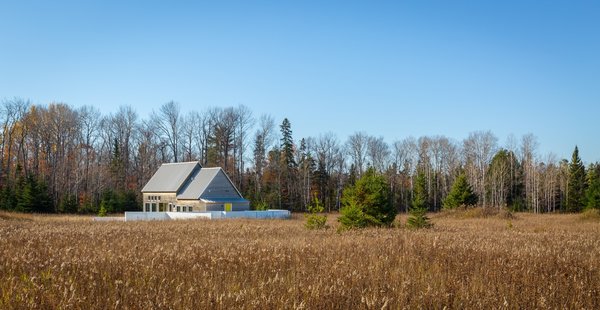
<point>188,187</point>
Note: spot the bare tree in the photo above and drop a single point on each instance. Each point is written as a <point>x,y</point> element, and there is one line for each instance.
<point>378,153</point>
<point>189,131</point>
<point>479,148</point>
<point>263,141</point>
<point>89,118</point>
<point>330,160</point>
<point>224,123</point>
<point>12,111</point>
<point>406,157</point>
<point>356,147</point>
<point>550,173</point>
<point>529,145</point>
<point>245,122</point>
<point>168,124</point>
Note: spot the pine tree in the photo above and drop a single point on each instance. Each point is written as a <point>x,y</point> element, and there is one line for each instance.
<point>43,201</point>
<point>420,195</point>
<point>576,184</point>
<point>461,194</point>
<point>27,198</point>
<point>288,168</point>
<point>117,168</point>
<point>287,144</point>
<point>68,204</point>
<point>592,194</point>
<point>367,203</point>
<point>418,212</point>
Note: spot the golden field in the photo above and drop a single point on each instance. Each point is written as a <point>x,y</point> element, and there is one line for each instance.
<point>464,261</point>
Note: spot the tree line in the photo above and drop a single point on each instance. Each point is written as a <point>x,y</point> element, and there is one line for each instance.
<point>58,158</point>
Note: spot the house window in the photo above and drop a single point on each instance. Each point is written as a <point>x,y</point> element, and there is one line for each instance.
<point>158,197</point>
<point>189,208</point>
<point>153,207</point>
<point>146,207</point>
<point>170,207</point>
<point>178,208</point>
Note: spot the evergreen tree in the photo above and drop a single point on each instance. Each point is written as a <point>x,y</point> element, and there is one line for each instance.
<point>127,201</point>
<point>367,203</point>
<point>43,201</point>
<point>27,198</point>
<point>68,204</point>
<point>21,186</point>
<point>592,194</point>
<point>420,195</point>
<point>8,198</point>
<point>287,143</point>
<point>418,212</point>
<point>576,184</point>
<point>461,194</point>
<point>289,166</point>
<point>315,219</point>
<point>117,167</point>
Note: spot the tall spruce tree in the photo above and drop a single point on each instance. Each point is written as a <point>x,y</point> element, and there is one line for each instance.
<point>287,143</point>
<point>289,166</point>
<point>418,212</point>
<point>576,184</point>
<point>420,193</point>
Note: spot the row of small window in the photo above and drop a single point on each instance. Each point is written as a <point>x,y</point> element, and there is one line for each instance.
<point>183,209</point>
<point>153,207</point>
<point>153,197</point>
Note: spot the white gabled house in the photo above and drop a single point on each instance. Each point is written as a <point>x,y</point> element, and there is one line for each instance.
<point>188,187</point>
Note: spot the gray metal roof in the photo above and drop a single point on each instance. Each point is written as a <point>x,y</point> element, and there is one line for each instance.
<point>217,200</point>
<point>198,183</point>
<point>170,177</point>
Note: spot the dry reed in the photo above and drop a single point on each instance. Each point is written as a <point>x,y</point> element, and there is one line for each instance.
<point>532,261</point>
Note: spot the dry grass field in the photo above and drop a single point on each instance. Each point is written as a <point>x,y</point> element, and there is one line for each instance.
<point>465,261</point>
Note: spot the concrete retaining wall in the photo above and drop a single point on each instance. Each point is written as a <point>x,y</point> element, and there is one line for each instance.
<point>161,216</point>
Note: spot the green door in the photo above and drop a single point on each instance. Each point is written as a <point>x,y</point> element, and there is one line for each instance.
<point>228,207</point>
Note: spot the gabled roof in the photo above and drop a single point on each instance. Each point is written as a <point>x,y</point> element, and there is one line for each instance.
<point>199,182</point>
<point>169,178</point>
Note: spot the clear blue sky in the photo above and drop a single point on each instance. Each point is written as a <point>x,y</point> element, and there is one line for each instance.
<point>392,69</point>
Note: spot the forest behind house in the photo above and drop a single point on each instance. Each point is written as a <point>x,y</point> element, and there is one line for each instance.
<point>57,158</point>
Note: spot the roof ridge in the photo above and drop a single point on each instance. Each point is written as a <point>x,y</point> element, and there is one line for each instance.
<point>183,162</point>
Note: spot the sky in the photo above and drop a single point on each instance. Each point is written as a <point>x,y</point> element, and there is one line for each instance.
<point>392,69</point>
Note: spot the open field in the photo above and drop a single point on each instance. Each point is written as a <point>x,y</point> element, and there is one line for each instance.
<point>531,261</point>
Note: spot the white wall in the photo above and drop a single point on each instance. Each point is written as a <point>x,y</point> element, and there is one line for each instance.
<point>146,216</point>
<point>187,215</point>
<point>149,216</point>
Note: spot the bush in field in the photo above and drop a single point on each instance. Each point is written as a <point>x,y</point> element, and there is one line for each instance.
<point>352,216</point>
<point>314,220</point>
<point>367,203</point>
<point>102,212</point>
